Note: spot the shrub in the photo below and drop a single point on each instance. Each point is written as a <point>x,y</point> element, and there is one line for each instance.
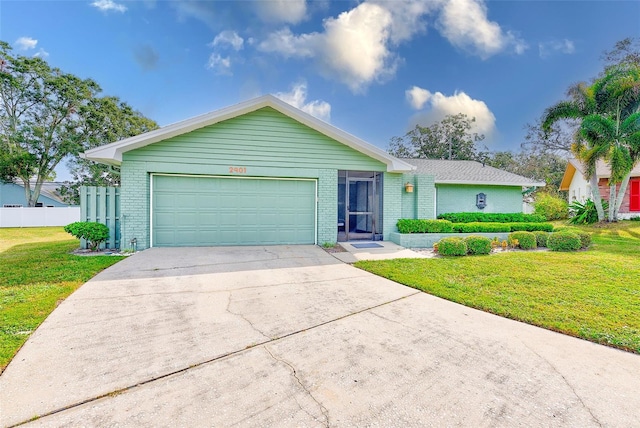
<point>526,240</point>
<point>94,233</point>
<point>564,241</point>
<point>531,227</point>
<point>452,247</point>
<point>492,217</point>
<point>586,213</point>
<point>541,238</point>
<point>635,218</point>
<point>407,225</point>
<point>478,244</point>
<point>480,227</point>
<point>551,207</point>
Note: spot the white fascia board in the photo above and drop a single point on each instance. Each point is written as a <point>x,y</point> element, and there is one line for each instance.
<point>112,153</point>
<point>482,183</point>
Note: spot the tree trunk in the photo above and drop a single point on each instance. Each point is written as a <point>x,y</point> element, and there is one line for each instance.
<point>621,192</point>
<point>27,192</point>
<point>595,193</point>
<point>612,201</point>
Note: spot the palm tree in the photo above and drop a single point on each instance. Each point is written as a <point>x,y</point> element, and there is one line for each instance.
<point>582,103</point>
<point>609,129</point>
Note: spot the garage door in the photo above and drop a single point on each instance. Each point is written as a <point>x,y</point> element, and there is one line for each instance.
<point>208,211</point>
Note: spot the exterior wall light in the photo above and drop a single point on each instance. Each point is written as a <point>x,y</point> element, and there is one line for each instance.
<point>481,200</point>
<point>408,187</point>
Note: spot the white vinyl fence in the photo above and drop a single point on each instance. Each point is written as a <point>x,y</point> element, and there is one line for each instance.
<point>41,216</point>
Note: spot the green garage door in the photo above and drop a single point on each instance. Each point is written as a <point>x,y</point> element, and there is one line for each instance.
<point>208,211</point>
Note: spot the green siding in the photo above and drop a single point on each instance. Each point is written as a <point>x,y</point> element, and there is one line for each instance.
<point>209,211</point>
<point>265,143</point>
<point>264,138</point>
<point>393,188</point>
<point>455,198</point>
<point>420,203</point>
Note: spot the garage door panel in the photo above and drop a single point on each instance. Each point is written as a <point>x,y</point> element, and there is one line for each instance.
<point>199,211</point>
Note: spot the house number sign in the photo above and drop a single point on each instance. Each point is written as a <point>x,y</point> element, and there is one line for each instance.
<point>237,169</point>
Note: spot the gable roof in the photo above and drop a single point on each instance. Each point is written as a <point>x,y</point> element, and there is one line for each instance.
<point>602,171</point>
<point>48,190</point>
<point>469,172</point>
<point>111,154</point>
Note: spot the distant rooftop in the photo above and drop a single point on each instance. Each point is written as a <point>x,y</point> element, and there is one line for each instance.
<point>469,172</point>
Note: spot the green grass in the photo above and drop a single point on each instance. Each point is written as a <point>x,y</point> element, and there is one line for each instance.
<point>37,272</point>
<point>594,294</point>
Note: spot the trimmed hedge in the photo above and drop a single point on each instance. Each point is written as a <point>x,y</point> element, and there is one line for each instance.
<point>452,247</point>
<point>531,227</point>
<point>526,240</point>
<point>407,225</point>
<point>478,244</point>
<point>492,218</point>
<point>445,226</point>
<point>481,227</point>
<point>564,241</point>
<point>542,238</point>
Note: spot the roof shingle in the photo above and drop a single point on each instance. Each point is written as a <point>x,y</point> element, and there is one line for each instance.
<point>468,172</point>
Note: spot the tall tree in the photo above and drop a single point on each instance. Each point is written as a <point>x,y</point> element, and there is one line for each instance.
<point>106,120</point>
<point>47,115</point>
<point>451,138</point>
<point>39,117</point>
<point>536,165</point>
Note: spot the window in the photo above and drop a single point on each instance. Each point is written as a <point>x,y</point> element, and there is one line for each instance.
<point>634,195</point>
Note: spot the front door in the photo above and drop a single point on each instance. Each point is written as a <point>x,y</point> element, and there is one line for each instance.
<point>359,205</point>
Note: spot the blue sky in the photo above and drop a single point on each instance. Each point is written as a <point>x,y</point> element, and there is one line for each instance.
<point>372,68</point>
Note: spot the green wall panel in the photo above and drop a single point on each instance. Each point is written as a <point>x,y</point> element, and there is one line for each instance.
<point>455,198</point>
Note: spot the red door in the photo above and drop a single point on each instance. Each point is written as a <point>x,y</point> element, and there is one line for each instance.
<point>634,195</point>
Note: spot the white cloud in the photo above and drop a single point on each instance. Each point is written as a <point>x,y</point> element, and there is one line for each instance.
<point>352,48</point>
<point>297,97</point>
<point>41,54</point>
<point>26,43</point>
<point>564,46</point>
<point>107,5</point>
<point>282,11</point>
<point>203,11</point>
<point>407,17</point>
<point>219,64</point>
<point>439,106</point>
<point>466,25</point>
<point>230,38</point>
<point>417,97</point>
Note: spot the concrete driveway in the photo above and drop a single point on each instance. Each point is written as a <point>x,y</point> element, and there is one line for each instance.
<point>289,336</point>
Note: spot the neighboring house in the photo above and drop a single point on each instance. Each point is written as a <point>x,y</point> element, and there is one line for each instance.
<point>579,188</point>
<point>263,172</point>
<point>12,195</point>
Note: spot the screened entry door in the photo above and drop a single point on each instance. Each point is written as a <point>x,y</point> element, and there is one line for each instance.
<point>359,205</point>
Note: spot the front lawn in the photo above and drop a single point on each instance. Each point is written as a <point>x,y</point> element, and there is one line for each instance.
<point>592,294</point>
<point>37,272</point>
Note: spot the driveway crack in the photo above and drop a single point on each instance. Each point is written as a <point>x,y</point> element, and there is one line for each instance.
<point>294,373</point>
<point>228,309</point>
<point>566,381</point>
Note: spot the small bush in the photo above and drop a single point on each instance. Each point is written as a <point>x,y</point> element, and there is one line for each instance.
<point>478,244</point>
<point>481,227</point>
<point>564,241</point>
<point>492,217</point>
<point>94,233</point>
<point>526,240</point>
<point>635,218</point>
<point>407,225</point>
<point>541,238</point>
<point>452,247</point>
<point>551,207</point>
<point>585,238</point>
